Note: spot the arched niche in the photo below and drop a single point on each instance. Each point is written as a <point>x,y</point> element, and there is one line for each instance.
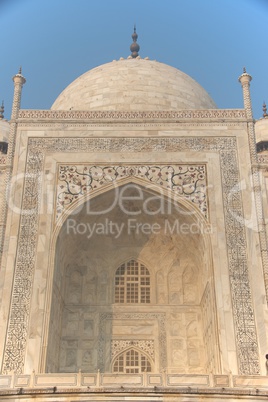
<point>89,326</point>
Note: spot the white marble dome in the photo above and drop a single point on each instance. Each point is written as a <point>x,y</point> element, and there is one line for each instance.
<point>133,84</point>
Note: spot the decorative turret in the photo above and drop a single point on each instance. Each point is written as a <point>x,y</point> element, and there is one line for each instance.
<point>245,79</point>
<point>261,130</point>
<point>134,47</point>
<point>264,108</point>
<point>18,80</point>
<point>4,130</point>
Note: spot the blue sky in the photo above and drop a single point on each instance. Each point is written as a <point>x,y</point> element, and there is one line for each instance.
<point>55,41</point>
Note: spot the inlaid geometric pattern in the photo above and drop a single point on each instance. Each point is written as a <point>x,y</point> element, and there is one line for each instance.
<point>131,115</point>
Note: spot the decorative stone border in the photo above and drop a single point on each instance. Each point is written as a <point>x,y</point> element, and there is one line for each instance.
<point>236,114</point>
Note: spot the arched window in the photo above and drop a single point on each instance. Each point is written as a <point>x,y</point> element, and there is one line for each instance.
<point>131,362</point>
<point>132,283</point>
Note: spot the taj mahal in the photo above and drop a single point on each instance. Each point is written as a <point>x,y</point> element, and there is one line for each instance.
<point>133,241</point>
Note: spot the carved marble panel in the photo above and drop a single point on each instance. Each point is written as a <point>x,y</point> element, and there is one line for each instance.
<point>145,345</point>
<point>185,180</point>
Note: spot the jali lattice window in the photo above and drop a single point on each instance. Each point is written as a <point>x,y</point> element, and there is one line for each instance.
<point>132,283</point>
<point>132,362</point>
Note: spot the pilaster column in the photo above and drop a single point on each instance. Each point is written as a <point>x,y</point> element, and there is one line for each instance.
<point>245,79</point>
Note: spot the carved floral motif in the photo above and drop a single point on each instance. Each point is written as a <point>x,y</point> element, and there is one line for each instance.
<point>186,181</point>
<point>118,346</point>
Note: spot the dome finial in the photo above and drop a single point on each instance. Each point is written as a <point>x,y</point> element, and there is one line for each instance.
<point>134,47</point>
<point>264,108</point>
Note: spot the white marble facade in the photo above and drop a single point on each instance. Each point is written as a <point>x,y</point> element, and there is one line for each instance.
<point>133,253</point>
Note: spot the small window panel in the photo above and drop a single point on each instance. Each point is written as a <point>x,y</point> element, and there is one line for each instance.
<point>132,362</point>
<point>132,283</point>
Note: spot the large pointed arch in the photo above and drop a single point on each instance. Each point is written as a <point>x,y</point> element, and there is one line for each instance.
<point>187,212</point>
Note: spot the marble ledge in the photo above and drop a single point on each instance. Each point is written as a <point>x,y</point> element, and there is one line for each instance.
<point>138,381</point>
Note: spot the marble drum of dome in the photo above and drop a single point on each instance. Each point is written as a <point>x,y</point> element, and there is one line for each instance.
<point>134,84</point>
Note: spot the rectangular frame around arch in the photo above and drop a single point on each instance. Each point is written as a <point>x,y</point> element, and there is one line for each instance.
<point>245,330</point>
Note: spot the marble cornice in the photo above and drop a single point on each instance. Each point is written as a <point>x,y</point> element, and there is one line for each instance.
<point>154,392</point>
<point>132,116</point>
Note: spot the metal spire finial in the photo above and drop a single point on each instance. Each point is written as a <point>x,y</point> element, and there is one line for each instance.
<point>134,47</point>
<point>244,70</point>
<point>264,108</point>
<point>19,70</point>
<point>2,109</point>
